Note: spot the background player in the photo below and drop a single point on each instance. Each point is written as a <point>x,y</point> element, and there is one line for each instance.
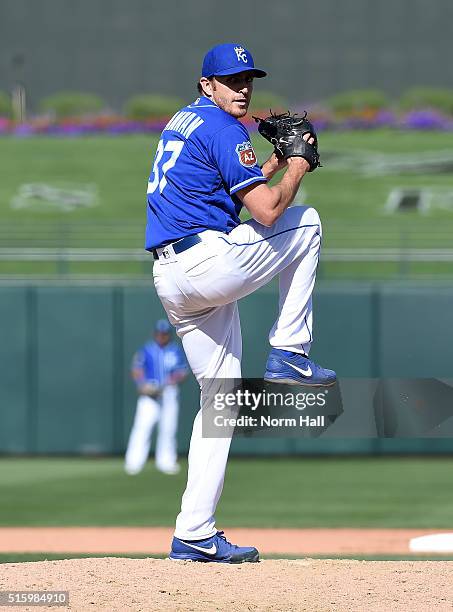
<point>157,369</point>
<point>205,169</point>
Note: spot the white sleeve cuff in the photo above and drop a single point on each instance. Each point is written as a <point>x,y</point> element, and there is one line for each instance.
<point>249,181</point>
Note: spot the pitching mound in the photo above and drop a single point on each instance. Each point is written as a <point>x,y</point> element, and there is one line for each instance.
<point>149,584</point>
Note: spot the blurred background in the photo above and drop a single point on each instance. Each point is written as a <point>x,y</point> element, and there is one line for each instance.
<point>86,88</point>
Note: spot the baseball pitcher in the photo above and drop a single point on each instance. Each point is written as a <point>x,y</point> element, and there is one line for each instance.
<point>204,171</point>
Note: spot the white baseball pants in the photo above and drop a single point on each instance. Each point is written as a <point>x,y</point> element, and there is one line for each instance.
<point>149,412</point>
<point>199,289</point>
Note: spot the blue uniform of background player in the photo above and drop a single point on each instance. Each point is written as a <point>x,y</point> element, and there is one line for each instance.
<point>157,368</point>
<point>204,171</point>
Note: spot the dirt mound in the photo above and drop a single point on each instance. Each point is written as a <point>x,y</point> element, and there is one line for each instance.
<point>116,584</point>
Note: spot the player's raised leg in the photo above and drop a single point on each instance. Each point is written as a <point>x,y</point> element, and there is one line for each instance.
<point>290,248</point>
<point>250,256</point>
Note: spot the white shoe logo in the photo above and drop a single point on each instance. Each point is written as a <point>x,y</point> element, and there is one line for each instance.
<point>208,551</point>
<point>306,372</point>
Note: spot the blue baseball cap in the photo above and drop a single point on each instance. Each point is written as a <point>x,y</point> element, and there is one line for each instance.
<point>162,326</point>
<point>229,58</point>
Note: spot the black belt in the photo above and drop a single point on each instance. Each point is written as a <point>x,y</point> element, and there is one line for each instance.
<point>180,245</point>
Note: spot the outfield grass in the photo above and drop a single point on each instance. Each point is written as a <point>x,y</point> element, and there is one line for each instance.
<point>277,492</point>
<point>351,204</point>
<point>119,166</point>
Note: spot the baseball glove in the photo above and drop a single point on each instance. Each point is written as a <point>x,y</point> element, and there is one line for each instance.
<point>286,133</point>
<point>150,389</point>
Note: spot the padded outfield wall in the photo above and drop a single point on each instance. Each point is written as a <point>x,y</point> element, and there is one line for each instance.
<point>66,350</point>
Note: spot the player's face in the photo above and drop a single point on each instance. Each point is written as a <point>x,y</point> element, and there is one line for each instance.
<point>162,338</point>
<point>232,93</point>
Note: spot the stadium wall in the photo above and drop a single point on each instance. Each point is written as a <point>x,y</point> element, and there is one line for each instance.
<point>310,49</point>
<point>66,351</point>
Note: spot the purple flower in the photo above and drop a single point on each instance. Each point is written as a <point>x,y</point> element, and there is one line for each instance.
<point>23,130</point>
<point>386,118</point>
<point>125,127</point>
<point>426,120</point>
<point>322,119</point>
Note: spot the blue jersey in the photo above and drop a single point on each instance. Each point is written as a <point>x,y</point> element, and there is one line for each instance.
<point>203,158</point>
<point>159,362</point>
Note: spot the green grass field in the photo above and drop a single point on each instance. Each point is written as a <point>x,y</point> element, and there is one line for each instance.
<point>120,166</point>
<point>277,492</point>
<point>351,203</point>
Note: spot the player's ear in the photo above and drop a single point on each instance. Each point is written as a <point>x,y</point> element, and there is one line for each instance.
<point>206,86</point>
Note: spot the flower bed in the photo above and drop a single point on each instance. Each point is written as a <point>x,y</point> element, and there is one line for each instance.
<point>117,125</point>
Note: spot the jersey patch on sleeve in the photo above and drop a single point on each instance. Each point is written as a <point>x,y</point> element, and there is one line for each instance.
<point>246,154</point>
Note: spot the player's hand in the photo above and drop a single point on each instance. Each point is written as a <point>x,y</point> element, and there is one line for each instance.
<point>176,377</point>
<point>150,389</point>
<point>275,163</point>
<point>279,161</point>
<point>298,163</point>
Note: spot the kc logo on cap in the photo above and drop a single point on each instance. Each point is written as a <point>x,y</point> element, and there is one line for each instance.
<point>241,54</point>
<point>229,58</point>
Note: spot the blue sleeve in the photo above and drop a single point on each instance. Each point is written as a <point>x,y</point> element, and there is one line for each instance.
<point>181,363</point>
<point>232,152</point>
<point>138,360</point>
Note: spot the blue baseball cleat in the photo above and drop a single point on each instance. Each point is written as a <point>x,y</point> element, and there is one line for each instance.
<point>296,369</point>
<point>215,549</point>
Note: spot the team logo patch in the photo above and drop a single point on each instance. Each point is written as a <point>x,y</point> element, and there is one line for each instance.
<point>246,154</point>
<point>241,54</point>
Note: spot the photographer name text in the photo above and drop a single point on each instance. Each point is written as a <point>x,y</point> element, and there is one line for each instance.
<point>267,421</point>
